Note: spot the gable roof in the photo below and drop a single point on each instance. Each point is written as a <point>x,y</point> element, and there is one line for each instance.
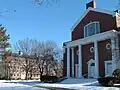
<point>96,10</point>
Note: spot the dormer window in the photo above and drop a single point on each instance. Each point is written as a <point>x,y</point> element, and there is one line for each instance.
<point>91,29</point>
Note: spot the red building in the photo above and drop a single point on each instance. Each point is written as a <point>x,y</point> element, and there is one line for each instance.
<point>94,47</point>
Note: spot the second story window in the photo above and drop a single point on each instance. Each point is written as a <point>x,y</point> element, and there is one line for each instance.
<point>91,29</point>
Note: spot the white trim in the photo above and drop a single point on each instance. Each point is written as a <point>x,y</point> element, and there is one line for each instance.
<point>89,39</point>
<point>106,62</point>
<point>93,9</point>
<point>90,61</point>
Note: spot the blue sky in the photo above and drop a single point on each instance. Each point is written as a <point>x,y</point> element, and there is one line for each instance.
<point>44,23</point>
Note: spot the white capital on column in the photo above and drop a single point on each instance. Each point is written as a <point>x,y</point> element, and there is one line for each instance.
<point>72,62</point>
<point>80,61</point>
<point>96,59</point>
<point>68,62</point>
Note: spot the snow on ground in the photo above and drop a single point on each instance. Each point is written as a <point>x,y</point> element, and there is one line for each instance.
<point>7,85</point>
<point>79,84</point>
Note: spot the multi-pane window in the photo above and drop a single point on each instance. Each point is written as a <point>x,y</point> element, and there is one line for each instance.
<point>91,29</point>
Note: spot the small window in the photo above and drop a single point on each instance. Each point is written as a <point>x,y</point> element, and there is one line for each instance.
<point>92,49</point>
<point>92,64</point>
<point>108,46</point>
<point>91,29</point>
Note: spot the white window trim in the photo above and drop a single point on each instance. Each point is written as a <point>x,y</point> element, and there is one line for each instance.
<point>89,24</point>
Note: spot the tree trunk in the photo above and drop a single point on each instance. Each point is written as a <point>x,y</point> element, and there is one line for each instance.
<point>30,76</point>
<point>41,77</point>
<point>26,75</point>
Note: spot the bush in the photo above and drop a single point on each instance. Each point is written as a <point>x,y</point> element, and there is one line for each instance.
<point>106,81</point>
<point>50,79</point>
<point>110,83</point>
<point>110,80</point>
<point>116,73</point>
<point>4,78</point>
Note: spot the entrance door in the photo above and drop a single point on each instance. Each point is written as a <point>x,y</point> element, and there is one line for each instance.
<point>92,70</point>
<point>108,68</point>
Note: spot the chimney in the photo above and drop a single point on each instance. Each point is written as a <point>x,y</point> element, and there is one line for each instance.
<point>91,4</point>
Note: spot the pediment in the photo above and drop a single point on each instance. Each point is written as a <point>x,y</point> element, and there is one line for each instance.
<point>94,10</point>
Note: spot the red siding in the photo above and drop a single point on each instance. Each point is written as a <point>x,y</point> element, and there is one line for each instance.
<point>75,55</point>
<point>103,55</point>
<point>86,56</point>
<point>107,22</point>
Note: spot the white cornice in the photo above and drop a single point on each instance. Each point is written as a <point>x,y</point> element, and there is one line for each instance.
<point>90,39</point>
<point>93,9</point>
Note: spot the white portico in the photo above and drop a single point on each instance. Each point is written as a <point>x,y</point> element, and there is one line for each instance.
<point>112,34</point>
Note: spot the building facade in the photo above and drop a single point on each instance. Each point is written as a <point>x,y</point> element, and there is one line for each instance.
<point>17,64</point>
<point>94,47</point>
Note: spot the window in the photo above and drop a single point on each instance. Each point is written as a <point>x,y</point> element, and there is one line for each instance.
<point>92,64</point>
<point>92,49</point>
<point>91,29</point>
<point>108,46</point>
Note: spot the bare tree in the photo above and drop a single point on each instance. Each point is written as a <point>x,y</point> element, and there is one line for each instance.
<point>25,47</point>
<point>46,53</point>
<point>46,2</point>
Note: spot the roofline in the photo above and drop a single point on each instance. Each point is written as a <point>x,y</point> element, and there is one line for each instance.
<point>93,9</point>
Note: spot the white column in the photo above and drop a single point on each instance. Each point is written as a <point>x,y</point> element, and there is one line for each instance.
<point>113,54</point>
<point>96,59</point>
<point>73,62</point>
<point>68,62</point>
<point>117,52</point>
<point>80,62</point>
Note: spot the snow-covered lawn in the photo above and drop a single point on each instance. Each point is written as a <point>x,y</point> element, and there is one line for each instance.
<point>78,84</point>
<point>9,85</point>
